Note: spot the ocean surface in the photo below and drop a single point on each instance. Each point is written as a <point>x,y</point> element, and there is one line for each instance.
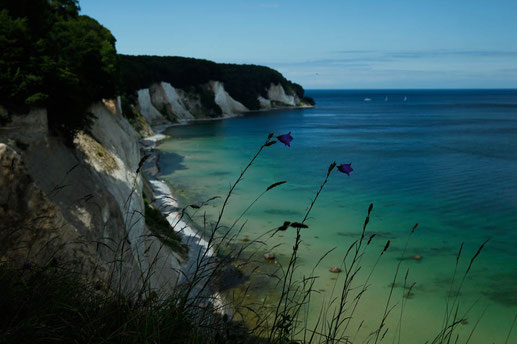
<point>446,159</point>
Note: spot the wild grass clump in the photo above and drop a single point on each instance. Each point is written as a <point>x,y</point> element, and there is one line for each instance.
<point>52,304</point>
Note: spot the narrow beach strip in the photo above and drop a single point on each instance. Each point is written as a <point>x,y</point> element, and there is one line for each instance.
<point>173,211</point>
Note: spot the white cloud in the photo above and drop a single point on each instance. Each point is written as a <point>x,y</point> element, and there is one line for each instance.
<point>270,5</point>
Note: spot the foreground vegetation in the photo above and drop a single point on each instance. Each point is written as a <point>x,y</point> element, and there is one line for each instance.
<point>51,304</point>
<point>54,305</point>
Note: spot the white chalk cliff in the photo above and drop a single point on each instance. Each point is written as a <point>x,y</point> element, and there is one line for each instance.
<point>166,97</point>
<point>227,104</point>
<point>147,109</point>
<point>162,102</point>
<point>93,195</point>
<point>277,93</point>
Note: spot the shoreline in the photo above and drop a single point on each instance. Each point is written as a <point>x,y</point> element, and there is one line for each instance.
<point>158,129</point>
<point>170,207</point>
<point>280,108</point>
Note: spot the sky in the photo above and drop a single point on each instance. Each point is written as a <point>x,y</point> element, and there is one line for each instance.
<point>330,44</point>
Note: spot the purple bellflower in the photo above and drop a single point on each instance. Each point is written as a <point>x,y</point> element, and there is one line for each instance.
<point>285,139</point>
<point>131,302</point>
<point>27,265</point>
<point>345,168</point>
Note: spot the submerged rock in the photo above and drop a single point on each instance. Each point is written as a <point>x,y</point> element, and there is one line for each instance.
<point>231,277</point>
<point>416,257</point>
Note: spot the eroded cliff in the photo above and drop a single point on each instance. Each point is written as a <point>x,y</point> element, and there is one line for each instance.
<point>162,103</point>
<point>81,204</point>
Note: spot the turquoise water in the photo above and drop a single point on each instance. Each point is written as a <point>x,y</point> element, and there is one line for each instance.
<point>444,159</point>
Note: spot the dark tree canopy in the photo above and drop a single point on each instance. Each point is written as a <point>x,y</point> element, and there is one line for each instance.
<point>50,56</point>
<point>244,82</point>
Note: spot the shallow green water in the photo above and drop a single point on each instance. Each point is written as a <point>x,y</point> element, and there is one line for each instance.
<point>444,159</point>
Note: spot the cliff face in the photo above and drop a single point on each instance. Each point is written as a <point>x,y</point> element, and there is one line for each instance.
<point>33,227</point>
<point>224,100</point>
<point>80,204</point>
<point>162,102</point>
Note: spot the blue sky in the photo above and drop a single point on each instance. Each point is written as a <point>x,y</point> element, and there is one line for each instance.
<point>331,43</point>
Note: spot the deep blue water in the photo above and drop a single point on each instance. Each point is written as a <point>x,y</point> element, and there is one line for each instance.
<point>446,159</point>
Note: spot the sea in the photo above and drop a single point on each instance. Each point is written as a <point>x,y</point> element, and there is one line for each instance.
<point>445,159</point>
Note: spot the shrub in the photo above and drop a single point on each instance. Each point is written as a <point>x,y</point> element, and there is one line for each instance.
<point>160,227</point>
<point>309,100</point>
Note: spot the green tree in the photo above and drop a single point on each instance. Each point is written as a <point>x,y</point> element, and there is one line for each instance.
<point>51,56</point>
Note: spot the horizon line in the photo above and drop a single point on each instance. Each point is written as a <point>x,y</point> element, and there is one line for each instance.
<point>416,89</point>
